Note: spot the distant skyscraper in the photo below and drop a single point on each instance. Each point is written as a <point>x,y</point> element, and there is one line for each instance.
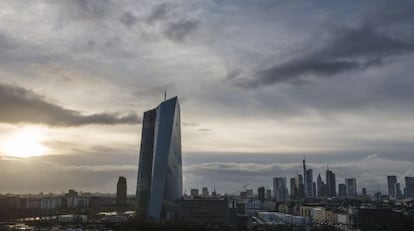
<point>330,184</point>
<point>341,190</point>
<point>398,189</point>
<point>305,178</point>
<point>351,187</point>
<point>268,194</point>
<point>159,181</point>
<point>293,188</point>
<point>121,191</point>
<point>319,185</point>
<point>261,194</point>
<point>280,190</point>
<point>364,191</point>
<point>392,190</point>
<point>309,183</point>
<point>300,186</point>
<point>409,185</point>
<point>204,191</point>
<point>194,192</point>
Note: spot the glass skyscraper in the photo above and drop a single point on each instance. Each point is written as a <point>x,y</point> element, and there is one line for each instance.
<point>159,181</point>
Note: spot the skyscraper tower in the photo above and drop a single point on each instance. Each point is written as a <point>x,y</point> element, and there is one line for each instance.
<point>309,182</point>
<point>351,187</point>
<point>280,190</point>
<point>121,191</point>
<point>159,181</point>
<point>330,184</point>
<point>392,190</point>
<point>305,177</point>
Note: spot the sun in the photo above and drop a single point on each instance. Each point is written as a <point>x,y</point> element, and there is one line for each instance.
<point>26,142</point>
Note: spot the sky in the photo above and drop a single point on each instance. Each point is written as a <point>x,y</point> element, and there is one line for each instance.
<point>261,85</point>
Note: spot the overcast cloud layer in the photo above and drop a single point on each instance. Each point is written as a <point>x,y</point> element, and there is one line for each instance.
<point>254,79</point>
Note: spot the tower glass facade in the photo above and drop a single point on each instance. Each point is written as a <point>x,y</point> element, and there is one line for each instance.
<point>159,181</point>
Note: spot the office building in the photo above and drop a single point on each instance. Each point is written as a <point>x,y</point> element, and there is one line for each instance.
<point>204,192</point>
<point>261,194</point>
<point>194,192</point>
<point>268,194</point>
<point>330,184</point>
<point>341,190</point>
<point>319,185</point>
<point>409,186</point>
<point>309,183</point>
<point>280,190</point>
<point>305,178</point>
<point>364,192</point>
<point>392,190</point>
<point>351,187</point>
<point>300,186</point>
<point>121,191</point>
<point>293,188</point>
<point>159,181</point>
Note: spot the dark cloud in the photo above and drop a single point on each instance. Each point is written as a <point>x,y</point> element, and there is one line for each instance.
<point>87,9</point>
<point>20,105</point>
<point>178,31</point>
<point>350,49</point>
<point>159,12</point>
<point>128,19</point>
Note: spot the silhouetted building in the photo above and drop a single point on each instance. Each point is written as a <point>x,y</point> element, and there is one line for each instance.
<point>159,181</point>
<point>392,190</point>
<point>293,188</point>
<point>305,178</point>
<point>330,184</point>
<point>409,185</point>
<point>351,187</point>
<point>261,194</point>
<point>341,190</point>
<point>194,192</point>
<point>280,190</point>
<point>309,183</point>
<point>204,192</point>
<point>320,186</point>
<point>268,194</point>
<point>121,191</point>
<point>300,186</point>
<point>364,191</point>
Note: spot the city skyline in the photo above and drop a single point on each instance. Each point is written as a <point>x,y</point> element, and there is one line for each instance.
<point>261,84</point>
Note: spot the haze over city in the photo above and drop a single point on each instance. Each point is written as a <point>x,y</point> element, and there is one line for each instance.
<point>261,85</point>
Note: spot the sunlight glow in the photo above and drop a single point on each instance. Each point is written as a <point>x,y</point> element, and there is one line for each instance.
<point>26,142</point>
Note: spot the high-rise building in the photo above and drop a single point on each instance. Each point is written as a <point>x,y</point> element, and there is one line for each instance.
<point>398,189</point>
<point>305,178</point>
<point>319,184</point>
<point>293,188</point>
<point>268,194</point>
<point>409,186</point>
<point>330,184</point>
<point>261,194</point>
<point>341,190</point>
<point>121,191</point>
<point>351,187</point>
<point>300,186</point>
<point>309,183</point>
<point>364,192</point>
<point>314,189</point>
<point>204,191</point>
<point>280,190</point>
<point>392,190</point>
<point>159,181</point>
<point>194,192</point>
